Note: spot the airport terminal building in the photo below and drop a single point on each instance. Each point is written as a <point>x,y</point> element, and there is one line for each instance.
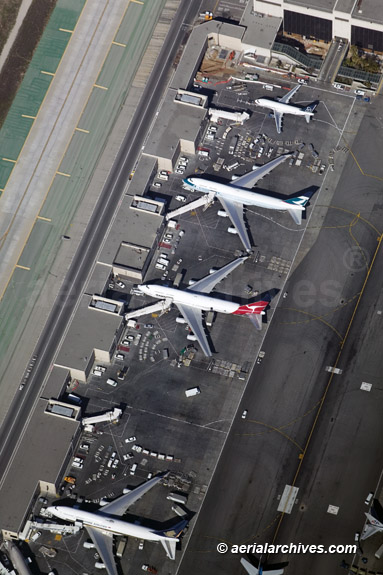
<point>359,22</point>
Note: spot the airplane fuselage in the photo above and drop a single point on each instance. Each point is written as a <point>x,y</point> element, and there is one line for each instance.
<point>281,107</point>
<point>190,298</point>
<point>240,195</point>
<point>105,522</point>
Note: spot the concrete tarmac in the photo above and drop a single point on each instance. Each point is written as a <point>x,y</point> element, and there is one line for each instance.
<point>294,434</point>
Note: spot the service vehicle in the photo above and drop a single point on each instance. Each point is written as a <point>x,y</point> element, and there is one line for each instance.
<point>192,391</point>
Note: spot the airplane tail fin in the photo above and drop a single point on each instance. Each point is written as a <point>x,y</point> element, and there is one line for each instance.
<point>299,201</point>
<point>311,107</point>
<point>249,309</point>
<point>172,537</point>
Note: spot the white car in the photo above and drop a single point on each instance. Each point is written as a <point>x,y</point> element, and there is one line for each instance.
<point>301,81</point>
<point>338,86</point>
<point>120,284</point>
<point>127,456</point>
<point>137,448</point>
<point>157,184</point>
<point>179,171</point>
<point>359,92</point>
<point>244,414</point>
<point>180,198</point>
<point>119,356</point>
<point>130,439</point>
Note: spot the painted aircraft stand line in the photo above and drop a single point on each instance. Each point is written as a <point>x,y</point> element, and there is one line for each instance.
<point>237,194</point>
<point>281,106</point>
<point>193,301</point>
<point>105,522</point>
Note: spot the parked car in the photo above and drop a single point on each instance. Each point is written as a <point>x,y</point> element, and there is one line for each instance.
<point>131,439</point>
<point>120,284</point>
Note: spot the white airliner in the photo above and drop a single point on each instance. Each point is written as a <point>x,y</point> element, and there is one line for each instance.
<point>259,570</point>
<point>236,194</point>
<point>281,106</point>
<point>192,302</point>
<point>105,522</point>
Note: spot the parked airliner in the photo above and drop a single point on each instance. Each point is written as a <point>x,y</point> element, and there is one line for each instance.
<point>281,106</point>
<point>105,522</point>
<point>234,196</point>
<point>193,301</point>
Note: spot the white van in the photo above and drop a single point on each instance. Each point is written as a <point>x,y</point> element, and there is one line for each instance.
<point>111,382</point>
<point>192,391</point>
<point>177,497</point>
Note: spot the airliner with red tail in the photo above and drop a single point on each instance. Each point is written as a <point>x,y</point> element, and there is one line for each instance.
<point>193,301</point>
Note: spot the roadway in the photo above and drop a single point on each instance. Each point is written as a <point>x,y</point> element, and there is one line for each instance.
<point>86,255</point>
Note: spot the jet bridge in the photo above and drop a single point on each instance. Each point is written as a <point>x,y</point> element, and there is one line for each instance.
<point>205,201</point>
<point>160,306</point>
<point>110,416</point>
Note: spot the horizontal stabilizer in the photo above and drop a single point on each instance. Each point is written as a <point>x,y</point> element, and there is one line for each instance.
<point>296,215</point>
<point>308,116</point>
<point>170,547</point>
<point>256,320</point>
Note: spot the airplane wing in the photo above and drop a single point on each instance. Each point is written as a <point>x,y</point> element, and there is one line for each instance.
<point>206,284</point>
<point>104,545</point>
<point>235,212</point>
<point>120,505</point>
<point>278,121</point>
<point>251,178</point>
<point>193,317</point>
<point>287,97</point>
